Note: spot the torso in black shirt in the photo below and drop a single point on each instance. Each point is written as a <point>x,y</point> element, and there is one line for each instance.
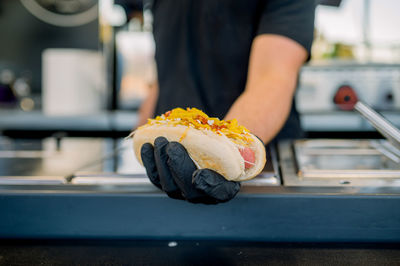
<point>203,48</point>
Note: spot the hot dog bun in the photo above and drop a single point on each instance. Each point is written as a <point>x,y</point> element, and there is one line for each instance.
<point>207,147</point>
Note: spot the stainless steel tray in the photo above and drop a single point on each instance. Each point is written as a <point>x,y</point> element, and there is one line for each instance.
<point>346,158</point>
<point>334,162</point>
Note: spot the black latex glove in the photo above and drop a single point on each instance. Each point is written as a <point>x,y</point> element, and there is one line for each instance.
<point>170,168</point>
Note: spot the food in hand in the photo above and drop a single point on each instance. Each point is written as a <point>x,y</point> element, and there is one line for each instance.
<point>223,146</point>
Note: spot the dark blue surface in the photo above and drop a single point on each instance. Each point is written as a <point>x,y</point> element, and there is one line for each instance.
<point>256,217</point>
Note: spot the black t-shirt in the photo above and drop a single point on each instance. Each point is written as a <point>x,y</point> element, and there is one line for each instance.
<point>203,48</point>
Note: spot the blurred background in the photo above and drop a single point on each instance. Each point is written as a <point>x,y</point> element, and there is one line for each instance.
<point>94,60</point>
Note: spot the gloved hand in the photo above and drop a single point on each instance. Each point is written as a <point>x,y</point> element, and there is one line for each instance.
<point>170,168</point>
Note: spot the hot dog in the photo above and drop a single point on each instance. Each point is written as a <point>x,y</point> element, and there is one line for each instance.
<point>223,146</point>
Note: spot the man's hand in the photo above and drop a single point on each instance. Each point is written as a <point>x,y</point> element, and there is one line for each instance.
<point>170,168</point>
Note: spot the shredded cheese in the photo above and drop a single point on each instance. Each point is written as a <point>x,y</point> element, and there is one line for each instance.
<point>194,118</point>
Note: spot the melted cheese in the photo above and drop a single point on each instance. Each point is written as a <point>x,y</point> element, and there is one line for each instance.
<point>194,118</point>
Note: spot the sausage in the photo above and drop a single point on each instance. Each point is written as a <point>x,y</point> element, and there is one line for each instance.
<point>248,156</point>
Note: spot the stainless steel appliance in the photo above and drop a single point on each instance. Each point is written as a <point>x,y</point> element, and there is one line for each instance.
<point>378,85</point>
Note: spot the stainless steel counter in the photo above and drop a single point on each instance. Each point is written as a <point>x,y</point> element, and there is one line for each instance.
<point>36,120</point>
<point>126,120</point>
<point>89,161</point>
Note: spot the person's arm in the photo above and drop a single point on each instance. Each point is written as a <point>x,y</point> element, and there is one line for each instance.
<point>265,104</point>
<point>147,108</point>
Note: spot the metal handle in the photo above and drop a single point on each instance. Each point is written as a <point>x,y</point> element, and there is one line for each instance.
<point>390,132</point>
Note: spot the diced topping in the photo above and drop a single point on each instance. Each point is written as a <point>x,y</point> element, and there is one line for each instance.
<point>194,118</point>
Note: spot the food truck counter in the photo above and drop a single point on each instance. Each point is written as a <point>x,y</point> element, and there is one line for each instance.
<point>94,188</point>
